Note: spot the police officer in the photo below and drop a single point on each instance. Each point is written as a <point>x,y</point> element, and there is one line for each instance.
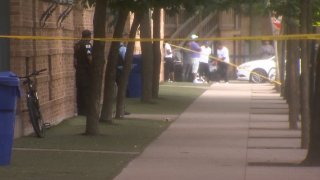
<point>82,61</point>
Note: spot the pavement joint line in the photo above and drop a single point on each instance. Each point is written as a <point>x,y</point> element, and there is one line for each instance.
<point>269,108</point>
<point>275,164</point>
<point>264,92</point>
<point>266,147</point>
<point>277,113</point>
<point>268,121</point>
<point>267,101</point>
<point>265,97</point>
<point>272,137</point>
<point>273,129</point>
<point>74,150</point>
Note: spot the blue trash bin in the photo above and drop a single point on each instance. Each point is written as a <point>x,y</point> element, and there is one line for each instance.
<point>136,64</point>
<point>134,89</point>
<point>9,91</point>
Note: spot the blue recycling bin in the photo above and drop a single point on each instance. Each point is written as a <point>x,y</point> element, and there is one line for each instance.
<point>134,88</point>
<point>9,92</point>
<point>136,64</point>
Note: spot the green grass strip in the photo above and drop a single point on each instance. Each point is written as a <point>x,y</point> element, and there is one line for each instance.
<point>66,154</point>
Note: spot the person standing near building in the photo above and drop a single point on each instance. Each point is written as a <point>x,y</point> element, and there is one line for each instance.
<point>186,64</point>
<point>223,65</point>
<point>122,51</point>
<point>82,61</point>
<point>204,61</point>
<point>195,55</point>
<point>120,66</point>
<point>122,55</point>
<point>169,64</point>
<point>267,50</point>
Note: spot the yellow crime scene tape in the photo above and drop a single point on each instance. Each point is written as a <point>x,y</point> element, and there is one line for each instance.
<point>237,38</point>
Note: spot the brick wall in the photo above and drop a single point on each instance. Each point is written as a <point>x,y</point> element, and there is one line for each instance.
<point>56,87</point>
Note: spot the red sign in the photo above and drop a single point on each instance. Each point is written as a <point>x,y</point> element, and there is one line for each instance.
<point>276,23</point>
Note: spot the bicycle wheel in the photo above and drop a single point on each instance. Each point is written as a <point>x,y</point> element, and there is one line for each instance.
<point>35,116</point>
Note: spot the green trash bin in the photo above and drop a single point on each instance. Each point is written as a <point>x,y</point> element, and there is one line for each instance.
<point>9,92</point>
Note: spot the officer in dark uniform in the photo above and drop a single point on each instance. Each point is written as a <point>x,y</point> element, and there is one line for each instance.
<point>82,61</point>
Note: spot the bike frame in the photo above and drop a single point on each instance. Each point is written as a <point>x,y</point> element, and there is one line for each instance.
<point>33,103</point>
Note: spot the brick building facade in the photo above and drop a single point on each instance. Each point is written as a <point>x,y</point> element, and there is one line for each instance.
<point>56,86</point>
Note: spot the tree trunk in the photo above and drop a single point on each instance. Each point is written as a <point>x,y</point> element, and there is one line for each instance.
<point>293,56</point>
<point>313,156</point>
<point>127,66</point>
<point>282,47</point>
<point>96,69</point>
<point>111,70</point>
<point>306,27</point>
<point>278,65</point>
<point>282,66</point>
<point>277,47</point>
<point>147,58</point>
<point>156,52</point>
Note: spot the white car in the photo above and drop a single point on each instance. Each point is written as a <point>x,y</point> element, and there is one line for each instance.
<point>257,71</point>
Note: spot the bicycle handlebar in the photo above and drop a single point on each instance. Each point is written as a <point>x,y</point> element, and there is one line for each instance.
<point>38,72</point>
<point>34,73</point>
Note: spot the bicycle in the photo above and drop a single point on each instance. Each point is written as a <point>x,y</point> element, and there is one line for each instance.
<point>33,103</point>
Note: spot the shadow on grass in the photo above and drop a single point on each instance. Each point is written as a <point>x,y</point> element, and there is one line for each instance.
<point>67,154</point>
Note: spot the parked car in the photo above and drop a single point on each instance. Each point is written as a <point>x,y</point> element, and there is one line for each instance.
<point>257,71</point>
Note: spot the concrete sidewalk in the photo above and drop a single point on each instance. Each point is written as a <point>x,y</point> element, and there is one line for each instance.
<point>232,132</point>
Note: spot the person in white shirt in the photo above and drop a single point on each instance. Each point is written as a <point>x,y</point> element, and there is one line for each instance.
<point>223,65</point>
<point>194,55</point>
<point>204,61</point>
<point>169,64</point>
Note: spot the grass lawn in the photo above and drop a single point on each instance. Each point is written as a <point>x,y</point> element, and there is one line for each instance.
<point>66,154</point>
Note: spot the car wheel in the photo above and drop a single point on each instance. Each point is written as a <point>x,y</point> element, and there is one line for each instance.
<point>258,76</point>
<point>272,75</point>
